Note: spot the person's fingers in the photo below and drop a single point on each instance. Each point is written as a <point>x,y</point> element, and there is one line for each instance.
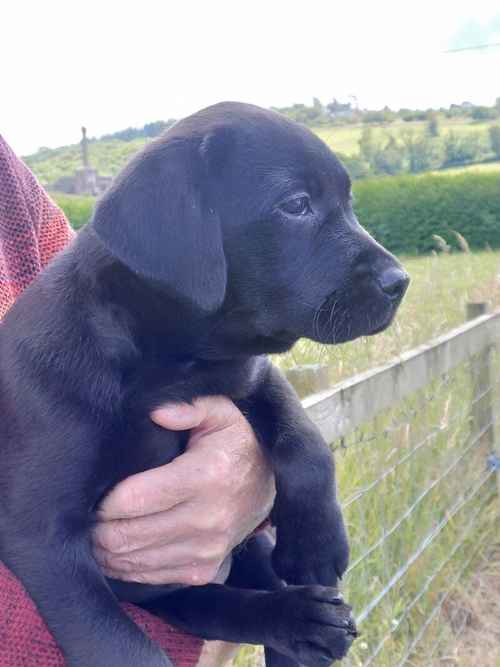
<point>150,492</point>
<point>207,413</point>
<point>181,523</point>
<point>201,559</point>
<point>179,416</point>
<point>189,575</point>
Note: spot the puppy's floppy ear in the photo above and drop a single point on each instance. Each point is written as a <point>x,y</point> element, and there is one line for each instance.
<point>157,219</point>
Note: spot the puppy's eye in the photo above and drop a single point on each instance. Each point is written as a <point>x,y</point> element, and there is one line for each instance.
<point>297,205</point>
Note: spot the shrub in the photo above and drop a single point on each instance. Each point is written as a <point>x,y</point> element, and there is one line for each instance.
<point>389,159</point>
<point>403,212</point>
<point>355,165</point>
<point>433,128</point>
<point>461,150</point>
<point>423,151</point>
<point>494,133</point>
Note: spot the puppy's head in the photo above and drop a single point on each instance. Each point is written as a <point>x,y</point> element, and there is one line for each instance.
<point>248,217</point>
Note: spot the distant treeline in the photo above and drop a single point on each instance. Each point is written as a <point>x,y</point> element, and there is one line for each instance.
<point>147,131</point>
<point>342,113</point>
<point>336,113</point>
<point>410,151</point>
<point>403,212</point>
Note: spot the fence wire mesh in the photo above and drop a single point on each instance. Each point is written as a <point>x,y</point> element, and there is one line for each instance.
<point>419,503</point>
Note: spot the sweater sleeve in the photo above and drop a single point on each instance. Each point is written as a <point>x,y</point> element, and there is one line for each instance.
<point>32,228</point>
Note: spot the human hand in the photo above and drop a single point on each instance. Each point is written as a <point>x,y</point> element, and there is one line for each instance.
<point>177,523</point>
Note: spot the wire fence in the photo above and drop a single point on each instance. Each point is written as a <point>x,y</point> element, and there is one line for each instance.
<point>415,449</point>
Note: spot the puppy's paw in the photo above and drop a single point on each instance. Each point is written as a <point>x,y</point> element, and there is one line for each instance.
<point>311,624</point>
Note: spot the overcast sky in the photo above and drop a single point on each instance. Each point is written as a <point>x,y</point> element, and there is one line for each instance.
<point>109,65</point>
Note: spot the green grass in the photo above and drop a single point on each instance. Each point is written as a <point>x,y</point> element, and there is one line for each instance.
<point>482,167</point>
<point>77,208</point>
<point>108,157</point>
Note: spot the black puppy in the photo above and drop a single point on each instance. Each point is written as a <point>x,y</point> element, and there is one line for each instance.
<point>230,237</point>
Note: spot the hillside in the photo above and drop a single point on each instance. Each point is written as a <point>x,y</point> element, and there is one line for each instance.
<point>109,155</point>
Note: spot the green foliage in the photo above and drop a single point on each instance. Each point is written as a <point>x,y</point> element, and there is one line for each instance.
<point>494,133</point>
<point>77,208</point>
<point>367,145</point>
<point>483,113</point>
<point>405,211</point>
<point>423,151</point>
<point>461,150</point>
<point>149,130</point>
<point>433,125</point>
<point>346,136</point>
<point>355,165</point>
<point>108,157</point>
<point>389,158</point>
<point>414,150</point>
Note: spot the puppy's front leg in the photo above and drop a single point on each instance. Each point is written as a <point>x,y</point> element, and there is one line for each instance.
<point>311,545</point>
<point>76,603</point>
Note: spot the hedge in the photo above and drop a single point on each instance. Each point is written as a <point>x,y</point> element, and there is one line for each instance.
<point>402,212</point>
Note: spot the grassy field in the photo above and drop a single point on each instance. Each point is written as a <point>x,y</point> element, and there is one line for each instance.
<point>474,168</point>
<point>108,157</point>
<point>344,139</point>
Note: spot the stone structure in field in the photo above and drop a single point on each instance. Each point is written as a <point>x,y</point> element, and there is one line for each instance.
<point>86,180</point>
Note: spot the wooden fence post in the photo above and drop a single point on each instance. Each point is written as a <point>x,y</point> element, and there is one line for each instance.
<point>308,379</point>
<point>483,407</point>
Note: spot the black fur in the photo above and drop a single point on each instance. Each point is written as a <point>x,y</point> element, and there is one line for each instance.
<point>229,237</point>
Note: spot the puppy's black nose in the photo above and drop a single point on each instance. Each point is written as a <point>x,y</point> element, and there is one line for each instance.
<point>394,282</point>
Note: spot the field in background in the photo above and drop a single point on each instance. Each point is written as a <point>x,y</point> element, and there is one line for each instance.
<point>344,139</point>
<point>109,156</point>
<point>474,168</point>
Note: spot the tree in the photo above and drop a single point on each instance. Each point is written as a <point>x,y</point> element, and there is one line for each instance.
<point>494,133</point>
<point>460,150</point>
<point>483,113</point>
<point>389,159</point>
<point>422,151</point>
<point>368,145</point>
<point>433,125</point>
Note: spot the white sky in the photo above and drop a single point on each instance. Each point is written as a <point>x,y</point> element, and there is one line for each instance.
<point>109,64</point>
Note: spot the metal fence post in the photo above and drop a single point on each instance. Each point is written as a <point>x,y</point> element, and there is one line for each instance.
<point>483,408</point>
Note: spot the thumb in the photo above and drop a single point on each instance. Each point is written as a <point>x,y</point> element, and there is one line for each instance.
<point>179,416</point>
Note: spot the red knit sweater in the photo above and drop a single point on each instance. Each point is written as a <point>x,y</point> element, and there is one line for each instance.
<point>32,230</point>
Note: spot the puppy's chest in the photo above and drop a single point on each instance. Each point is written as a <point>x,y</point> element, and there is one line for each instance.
<point>149,445</point>
<point>158,384</point>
